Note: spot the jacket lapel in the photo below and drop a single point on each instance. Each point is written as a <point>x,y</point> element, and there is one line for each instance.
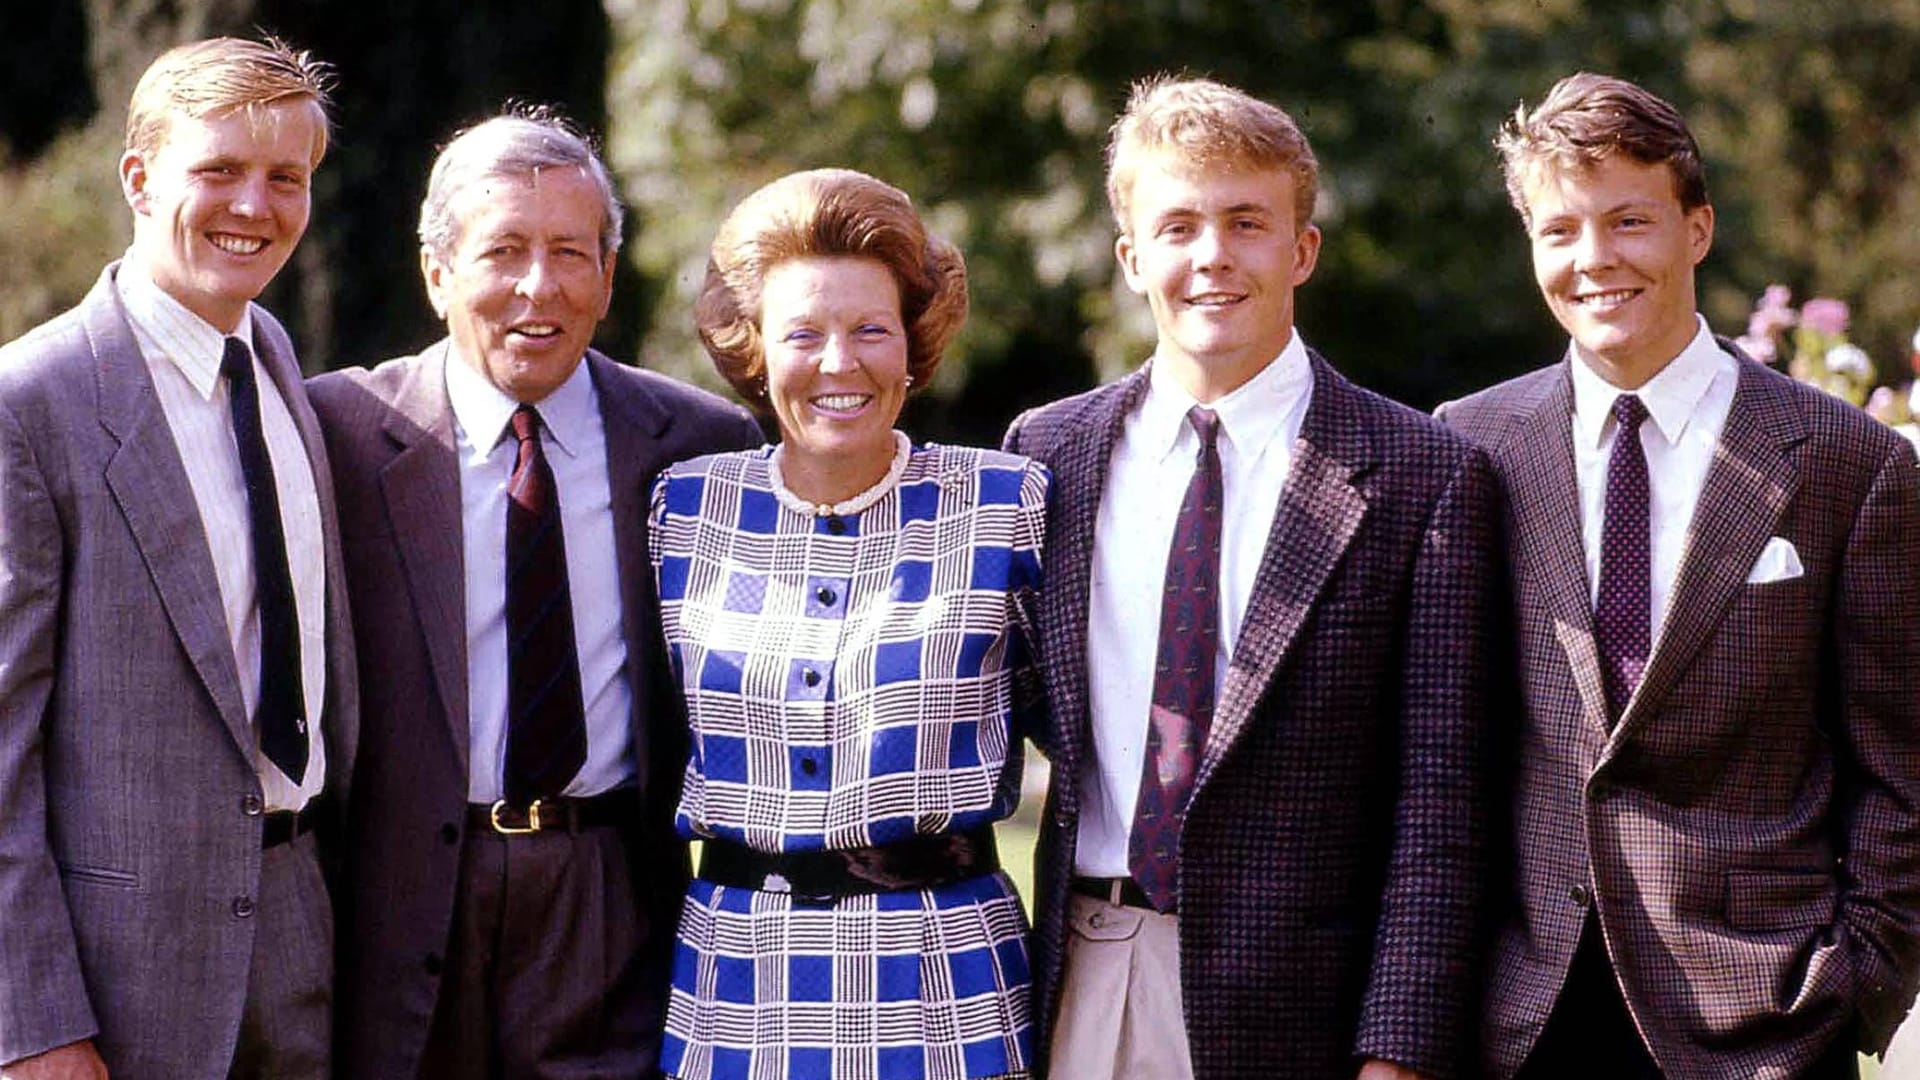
<point>1748,487</point>
<point>1320,509</point>
<point>421,485</point>
<point>149,483</point>
<point>1079,466</point>
<point>634,426</point>
<point>1544,501</point>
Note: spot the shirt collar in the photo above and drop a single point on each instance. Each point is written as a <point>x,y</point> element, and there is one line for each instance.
<point>1250,416</point>
<point>1670,397</point>
<point>483,409</point>
<point>166,327</point>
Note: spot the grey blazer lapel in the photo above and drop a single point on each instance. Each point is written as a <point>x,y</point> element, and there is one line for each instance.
<point>1079,468</point>
<point>421,485</point>
<point>1320,509</point>
<point>149,483</point>
<point>1544,500</point>
<point>634,424</point>
<point>1748,487</point>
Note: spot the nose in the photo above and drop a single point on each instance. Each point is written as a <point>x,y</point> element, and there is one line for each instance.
<point>249,196</point>
<point>538,282</point>
<point>1209,249</point>
<point>1592,249</point>
<point>835,355</point>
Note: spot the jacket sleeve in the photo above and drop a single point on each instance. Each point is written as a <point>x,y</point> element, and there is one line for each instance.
<point>43,998</point>
<point>1876,662</point>
<point>1422,996</point>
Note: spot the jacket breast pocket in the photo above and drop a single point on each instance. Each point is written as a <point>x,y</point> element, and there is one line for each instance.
<point>1766,901</point>
<point>99,875</point>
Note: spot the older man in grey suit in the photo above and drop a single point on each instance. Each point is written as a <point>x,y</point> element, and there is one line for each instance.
<point>176,688</point>
<point>513,877</point>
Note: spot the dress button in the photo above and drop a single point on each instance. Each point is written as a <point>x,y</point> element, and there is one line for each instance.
<point>836,526</point>
<point>251,805</point>
<point>243,907</point>
<point>810,677</point>
<point>825,596</point>
<point>1580,895</point>
<point>449,833</point>
<point>809,766</point>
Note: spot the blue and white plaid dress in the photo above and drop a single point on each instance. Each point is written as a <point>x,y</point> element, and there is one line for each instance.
<point>849,682</point>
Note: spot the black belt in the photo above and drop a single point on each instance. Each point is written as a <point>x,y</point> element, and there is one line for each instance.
<point>920,862</point>
<point>282,826</point>
<point>621,806</point>
<point>1123,891</point>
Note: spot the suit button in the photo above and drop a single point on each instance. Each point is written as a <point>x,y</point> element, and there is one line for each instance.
<point>432,964</point>
<point>1097,920</point>
<point>251,805</point>
<point>449,833</point>
<point>1580,895</point>
<point>243,907</point>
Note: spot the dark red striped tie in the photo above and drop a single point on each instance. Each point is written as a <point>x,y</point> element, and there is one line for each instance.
<point>1182,708</point>
<point>546,723</point>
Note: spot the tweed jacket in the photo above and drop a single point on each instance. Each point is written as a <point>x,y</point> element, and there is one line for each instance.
<point>390,433</point>
<point>129,792</point>
<point>1335,847</point>
<point>1747,833</point>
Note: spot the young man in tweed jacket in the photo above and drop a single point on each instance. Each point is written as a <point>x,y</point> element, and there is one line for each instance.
<point>1717,579</point>
<point>1268,863</point>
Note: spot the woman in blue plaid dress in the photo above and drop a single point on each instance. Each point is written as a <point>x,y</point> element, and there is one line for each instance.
<point>847,620</point>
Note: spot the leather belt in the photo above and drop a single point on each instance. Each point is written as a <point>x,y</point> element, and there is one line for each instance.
<point>621,806</point>
<point>282,826</point>
<point>1118,891</point>
<point>919,862</point>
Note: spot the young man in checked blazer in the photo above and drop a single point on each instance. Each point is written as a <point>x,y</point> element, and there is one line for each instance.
<point>1268,633</point>
<point>1717,578</point>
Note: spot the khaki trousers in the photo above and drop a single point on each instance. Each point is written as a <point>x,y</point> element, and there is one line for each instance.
<point>1120,1013</point>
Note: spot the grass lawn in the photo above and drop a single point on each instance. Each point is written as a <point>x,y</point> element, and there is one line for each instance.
<point>1018,833</point>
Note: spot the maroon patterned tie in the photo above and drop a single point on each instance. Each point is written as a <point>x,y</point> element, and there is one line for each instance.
<point>1621,619</point>
<point>546,724</point>
<point>1182,706</point>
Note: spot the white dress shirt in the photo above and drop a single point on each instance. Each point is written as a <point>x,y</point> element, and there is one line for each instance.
<point>183,354</point>
<point>575,441</point>
<point>1687,406</point>
<point>1153,460</point>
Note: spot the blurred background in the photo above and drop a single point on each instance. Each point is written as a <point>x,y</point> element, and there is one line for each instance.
<point>993,116</point>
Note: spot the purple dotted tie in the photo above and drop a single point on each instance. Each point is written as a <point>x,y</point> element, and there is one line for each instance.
<point>1621,615</point>
<point>1182,707</point>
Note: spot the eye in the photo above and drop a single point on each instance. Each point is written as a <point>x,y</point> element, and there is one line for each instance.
<point>1176,230</point>
<point>290,179</point>
<point>874,331</point>
<point>1635,221</point>
<point>801,336</point>
<point>1248,224</point>
<point>1554,230</point>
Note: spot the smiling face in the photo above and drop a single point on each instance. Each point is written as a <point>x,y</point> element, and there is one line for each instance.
<point>1613,253</point>
<point>525,284</point>
<point>836,356</point>
<point>220,203</point>
<point>1217,255</point>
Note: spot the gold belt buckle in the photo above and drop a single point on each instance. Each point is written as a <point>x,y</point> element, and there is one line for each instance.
<point>533,819</point>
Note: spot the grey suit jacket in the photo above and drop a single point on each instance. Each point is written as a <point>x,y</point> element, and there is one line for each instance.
<point>1749,832</point>
<point>126,755</point>
<point>1334,853</point>
<point>390,431</point>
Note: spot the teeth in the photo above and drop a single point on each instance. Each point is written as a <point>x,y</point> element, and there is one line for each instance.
<point>1605,299</point>
<point>841,402</point>
<point>237,245</point>
<point>537,330</point>
<point>1213,299</point>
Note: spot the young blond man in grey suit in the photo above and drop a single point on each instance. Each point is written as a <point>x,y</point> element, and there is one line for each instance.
<point>176,678</point>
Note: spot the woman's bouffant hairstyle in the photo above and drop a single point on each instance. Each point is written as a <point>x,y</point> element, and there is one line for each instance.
<point>1585,118</point>
<point>825,213</point>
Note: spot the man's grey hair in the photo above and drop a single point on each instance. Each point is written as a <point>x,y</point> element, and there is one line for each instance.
<point>521,142</point>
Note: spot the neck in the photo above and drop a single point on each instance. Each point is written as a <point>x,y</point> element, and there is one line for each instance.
<point>833,478</point>
<point>1211,378</point>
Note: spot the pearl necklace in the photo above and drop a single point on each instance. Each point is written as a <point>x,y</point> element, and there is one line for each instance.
<point>902,447</point>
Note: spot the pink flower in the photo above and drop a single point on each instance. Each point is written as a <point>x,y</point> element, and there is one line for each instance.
<point>1826,315</point>
<point>1760,347</point>
<point>1776,296</point>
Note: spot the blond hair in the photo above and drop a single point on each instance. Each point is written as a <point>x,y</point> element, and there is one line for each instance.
<point>1587,117</point>
<point>218,76</point>
<point>826,213</point>
<point>1205,124</point>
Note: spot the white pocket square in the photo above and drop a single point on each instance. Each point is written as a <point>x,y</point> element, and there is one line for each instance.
<point>1778,561</point>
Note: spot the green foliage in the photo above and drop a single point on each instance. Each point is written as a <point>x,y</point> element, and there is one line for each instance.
<point>64,221</point>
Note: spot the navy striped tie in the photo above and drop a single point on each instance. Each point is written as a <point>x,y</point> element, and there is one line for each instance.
<point>1182,708</point>
<point>282,712</point>
<point>546,724</point>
